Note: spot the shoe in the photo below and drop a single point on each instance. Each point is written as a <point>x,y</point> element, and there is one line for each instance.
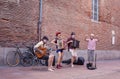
<point>72,65</point>
<point>58,67</point>
<point>53,68</point>
<point>50,69</point>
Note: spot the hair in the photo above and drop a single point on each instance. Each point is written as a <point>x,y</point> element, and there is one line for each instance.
<point>45,37</point>
<point>58,33</point>
<point>73,33</point>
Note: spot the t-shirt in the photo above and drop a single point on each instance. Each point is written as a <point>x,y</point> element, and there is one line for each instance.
<point>40,44</point>
<point>92,44</point>
<point>59,43</point>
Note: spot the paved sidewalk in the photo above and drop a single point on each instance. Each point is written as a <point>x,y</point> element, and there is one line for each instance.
<point>109,69</point>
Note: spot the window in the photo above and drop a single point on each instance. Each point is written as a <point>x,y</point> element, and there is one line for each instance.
<point>95,9</point>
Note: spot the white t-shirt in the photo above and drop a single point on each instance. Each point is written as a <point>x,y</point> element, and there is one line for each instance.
<point>40,44</point>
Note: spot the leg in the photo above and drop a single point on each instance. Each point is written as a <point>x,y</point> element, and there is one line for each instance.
<point>72,61</point>
<point>74,55</point>
<point>92,56</point>
<point>50,62</point>
<point>61,57</point>
<point>49,59</point>
<point>88,56</point>
<point>59,60</point>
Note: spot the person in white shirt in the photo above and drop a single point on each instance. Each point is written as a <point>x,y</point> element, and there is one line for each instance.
<point>91,47</point>
<point>40,51</point>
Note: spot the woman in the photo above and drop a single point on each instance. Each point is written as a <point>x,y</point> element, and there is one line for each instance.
<point>60,47</point>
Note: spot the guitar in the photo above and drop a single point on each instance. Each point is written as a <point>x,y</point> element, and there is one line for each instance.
<point>42,53</point>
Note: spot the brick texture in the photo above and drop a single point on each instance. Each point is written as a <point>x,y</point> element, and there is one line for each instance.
<point>18,22</point>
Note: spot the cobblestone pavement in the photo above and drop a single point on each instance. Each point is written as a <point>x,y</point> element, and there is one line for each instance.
<point>108,69</point>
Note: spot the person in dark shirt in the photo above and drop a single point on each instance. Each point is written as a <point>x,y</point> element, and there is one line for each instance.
<point>72,47</point>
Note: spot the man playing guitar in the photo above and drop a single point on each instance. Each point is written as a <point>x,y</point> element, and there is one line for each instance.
<point>40,50</point>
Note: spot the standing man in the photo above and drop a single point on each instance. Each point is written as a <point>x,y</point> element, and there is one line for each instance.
<point>72,47</point>
<point>91,48</point>
<point>58,41</point>
<point>40,50</point>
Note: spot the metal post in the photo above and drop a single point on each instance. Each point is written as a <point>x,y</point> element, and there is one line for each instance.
<point>40,20</point>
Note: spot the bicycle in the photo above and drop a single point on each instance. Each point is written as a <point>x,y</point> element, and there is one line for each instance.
<point>14,58</point>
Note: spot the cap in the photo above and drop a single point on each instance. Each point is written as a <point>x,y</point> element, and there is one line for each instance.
<point>57,33</point>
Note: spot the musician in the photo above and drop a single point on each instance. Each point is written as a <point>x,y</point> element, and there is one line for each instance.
<point>40,50</point>
<point>58,41</point>
<point>72,47</point>
<point>91,47</point>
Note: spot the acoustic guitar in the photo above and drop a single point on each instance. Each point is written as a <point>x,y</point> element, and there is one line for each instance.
<point>42,53</point>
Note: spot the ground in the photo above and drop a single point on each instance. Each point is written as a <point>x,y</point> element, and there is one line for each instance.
<point>107,69</point>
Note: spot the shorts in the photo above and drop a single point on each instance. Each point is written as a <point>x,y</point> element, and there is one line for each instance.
<point>59,50</point>
<point>46,57</point>
<point>90,55</point>
<point>73,52</point>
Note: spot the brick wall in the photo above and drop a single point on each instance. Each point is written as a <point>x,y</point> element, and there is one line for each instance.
<point>75,15</point>
<point>18,22</point>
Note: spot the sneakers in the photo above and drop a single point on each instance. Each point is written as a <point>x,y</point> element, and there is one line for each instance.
<point>72,65</point>
<point>49,69</point>
<point>52,68</point>
<point>58,67</point>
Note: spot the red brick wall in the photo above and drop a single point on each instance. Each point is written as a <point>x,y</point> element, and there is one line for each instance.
<point>75,15</point>
<point>18,23</point>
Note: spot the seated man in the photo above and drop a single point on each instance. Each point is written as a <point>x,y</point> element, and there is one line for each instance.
<point>40,50</point>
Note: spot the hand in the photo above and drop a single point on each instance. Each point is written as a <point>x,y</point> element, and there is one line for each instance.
<point>42,52</point>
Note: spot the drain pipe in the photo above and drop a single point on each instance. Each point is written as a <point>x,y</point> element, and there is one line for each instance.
<point>40,20</point>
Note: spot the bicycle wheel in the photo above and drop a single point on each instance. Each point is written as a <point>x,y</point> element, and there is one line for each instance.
<point>13,58</point>
<point>26,61</point>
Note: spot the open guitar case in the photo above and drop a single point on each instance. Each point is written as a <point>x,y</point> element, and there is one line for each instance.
<point>92,66</point>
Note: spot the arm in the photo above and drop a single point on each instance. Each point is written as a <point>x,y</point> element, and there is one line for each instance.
<point>97,38</point>
<point>69,41</point>
<point>38,50</point>
<point>53,42</point>
<point>86,38</point>
<point>36,47</point>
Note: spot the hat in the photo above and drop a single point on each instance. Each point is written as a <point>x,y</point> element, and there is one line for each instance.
<point>57,33</point>
<point>92,34</point>
<point>73,33</point>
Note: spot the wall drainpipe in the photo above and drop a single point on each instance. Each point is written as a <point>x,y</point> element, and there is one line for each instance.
<point>40,20</point>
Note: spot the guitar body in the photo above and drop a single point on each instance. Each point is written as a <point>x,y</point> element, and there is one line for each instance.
<point>41,54</point>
